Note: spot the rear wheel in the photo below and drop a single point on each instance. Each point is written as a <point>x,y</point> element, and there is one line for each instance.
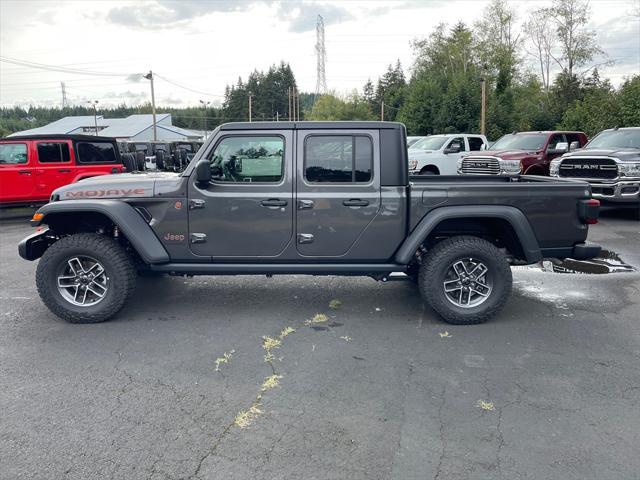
<point>85,278</point>
<point>467,280</point>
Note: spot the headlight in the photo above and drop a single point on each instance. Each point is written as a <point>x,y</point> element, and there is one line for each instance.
<point>631,169</point>
<point>459,165</point>
<point>413,164</point>
<point>554,167</point>
<point>509,166</point>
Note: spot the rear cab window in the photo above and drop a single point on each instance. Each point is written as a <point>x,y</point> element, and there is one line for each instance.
<point>13,153</point>
<point>96,153</point>
<point>338,159</point>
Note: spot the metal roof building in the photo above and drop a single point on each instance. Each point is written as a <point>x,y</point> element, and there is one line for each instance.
<point>133,127</point>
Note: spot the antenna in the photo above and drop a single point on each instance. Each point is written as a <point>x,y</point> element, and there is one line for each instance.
<point>64,94</point>
<point>321,53</point>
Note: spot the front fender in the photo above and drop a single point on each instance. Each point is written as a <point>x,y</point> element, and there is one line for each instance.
<point>515,217</point>
<point>128,220</point>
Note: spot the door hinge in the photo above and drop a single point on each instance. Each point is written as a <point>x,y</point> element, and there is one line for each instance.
<point>196,203</point>
<point>305,238</point>
<point>198,237</point>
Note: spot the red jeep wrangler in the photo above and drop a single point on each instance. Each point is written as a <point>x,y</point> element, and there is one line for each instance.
<point>527,153</point>
<point>31,167</point>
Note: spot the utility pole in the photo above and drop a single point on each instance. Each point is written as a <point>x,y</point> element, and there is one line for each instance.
<point>277,116</point>
<point>483,109</point>
<point>64,94</point>
<point>149,76</point>
<point>204,116</point>
<point>297,105</point>
<point>289,104</point>
<point>95,113</point>
<point>250,96</point>
<point>382,111</point>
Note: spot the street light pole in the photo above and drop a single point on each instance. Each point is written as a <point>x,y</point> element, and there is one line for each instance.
<point>149,76</point>
<point>95,113</point>
<point>204,117</point>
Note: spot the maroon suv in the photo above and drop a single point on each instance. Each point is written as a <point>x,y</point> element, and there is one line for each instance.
<point>527,153</point>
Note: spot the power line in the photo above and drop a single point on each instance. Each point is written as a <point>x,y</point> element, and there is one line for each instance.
<point>187,88</point>
<point>55,68</point>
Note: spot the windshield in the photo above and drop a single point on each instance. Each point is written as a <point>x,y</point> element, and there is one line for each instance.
<point>616,139</point>
<point>519,141</point>
<point>429,143</point>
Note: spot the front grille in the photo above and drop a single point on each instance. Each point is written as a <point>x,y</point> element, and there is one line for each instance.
<point>579,167</point>
<point>480,166</point>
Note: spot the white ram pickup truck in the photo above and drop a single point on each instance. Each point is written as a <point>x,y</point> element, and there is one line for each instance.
<point>439,154</point>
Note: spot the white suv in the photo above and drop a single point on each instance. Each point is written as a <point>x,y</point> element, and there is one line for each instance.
<point>439,154</point>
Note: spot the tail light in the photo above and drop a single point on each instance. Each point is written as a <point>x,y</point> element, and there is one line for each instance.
<point>588,210</point>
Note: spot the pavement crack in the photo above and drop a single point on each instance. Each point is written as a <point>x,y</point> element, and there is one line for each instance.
<point>443,439</point>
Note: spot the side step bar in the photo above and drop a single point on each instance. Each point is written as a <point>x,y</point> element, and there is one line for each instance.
<point>350,269</point>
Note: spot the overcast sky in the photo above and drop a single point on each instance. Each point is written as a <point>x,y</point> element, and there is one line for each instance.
<point>205,45</point>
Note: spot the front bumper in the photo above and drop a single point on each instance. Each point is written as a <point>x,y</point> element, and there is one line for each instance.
<point>33,246</point>
<point>622,191</point>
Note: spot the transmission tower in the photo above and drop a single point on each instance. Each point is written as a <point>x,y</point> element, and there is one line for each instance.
<point>321,53</point>
<point>64,94</point>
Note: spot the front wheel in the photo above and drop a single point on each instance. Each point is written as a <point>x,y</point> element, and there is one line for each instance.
<point>85,278</point>
<point>467,280</point>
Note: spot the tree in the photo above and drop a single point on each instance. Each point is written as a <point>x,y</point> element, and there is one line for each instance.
<point>542,37</point>
<point>578,45</point>
<point>332,107</point>
<point>499,43</point>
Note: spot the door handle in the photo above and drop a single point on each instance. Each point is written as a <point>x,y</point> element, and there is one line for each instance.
<point>273,202</point>
<point>24,172</point>
<point>305,204</point>
<point>355,202</point>
<point>64,170</point>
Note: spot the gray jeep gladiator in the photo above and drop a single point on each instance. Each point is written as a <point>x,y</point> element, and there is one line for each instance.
<point>318,198</point>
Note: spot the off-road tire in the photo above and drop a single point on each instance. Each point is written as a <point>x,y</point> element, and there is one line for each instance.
<point>437,262</point>
<point>117,264</point>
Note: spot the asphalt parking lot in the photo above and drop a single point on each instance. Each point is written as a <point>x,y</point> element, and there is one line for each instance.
<point>379,389</point>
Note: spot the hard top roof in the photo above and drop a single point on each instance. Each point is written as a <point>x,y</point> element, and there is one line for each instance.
<point>61,136</point>
<point>346,125</point>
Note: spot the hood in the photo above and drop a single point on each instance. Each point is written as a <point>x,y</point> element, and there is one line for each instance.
<point>418,152</point>
<point>623,154</point>
<point>505,154</point>
<point>124,185</point>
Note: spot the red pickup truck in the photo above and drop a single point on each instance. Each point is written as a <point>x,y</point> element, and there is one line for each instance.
<point>31,167</point>
<point>527,153</point>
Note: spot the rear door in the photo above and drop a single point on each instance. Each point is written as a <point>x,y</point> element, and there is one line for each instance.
<point>338,189</point>
<point>17,176</point>
<point>247,209</point>
<point>54,166</point>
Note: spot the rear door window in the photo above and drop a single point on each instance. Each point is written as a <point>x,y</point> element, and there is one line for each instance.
<point>53,152</point>
<point>13,153</point>
<point>338,159</point>
<point>96,153</point>
<point>475,143</point>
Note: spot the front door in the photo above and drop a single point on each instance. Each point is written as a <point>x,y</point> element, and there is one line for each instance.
<point>16,172</point>
<point>338,190</point>
<point>247,208</point>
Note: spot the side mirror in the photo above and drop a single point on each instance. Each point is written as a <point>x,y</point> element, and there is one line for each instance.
<point>561,147</point>
<point>203,172</point>
<point>574,146</point>
<point>452,149</point>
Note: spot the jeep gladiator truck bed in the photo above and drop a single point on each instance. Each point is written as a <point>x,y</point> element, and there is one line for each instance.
<point>320,198</point>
